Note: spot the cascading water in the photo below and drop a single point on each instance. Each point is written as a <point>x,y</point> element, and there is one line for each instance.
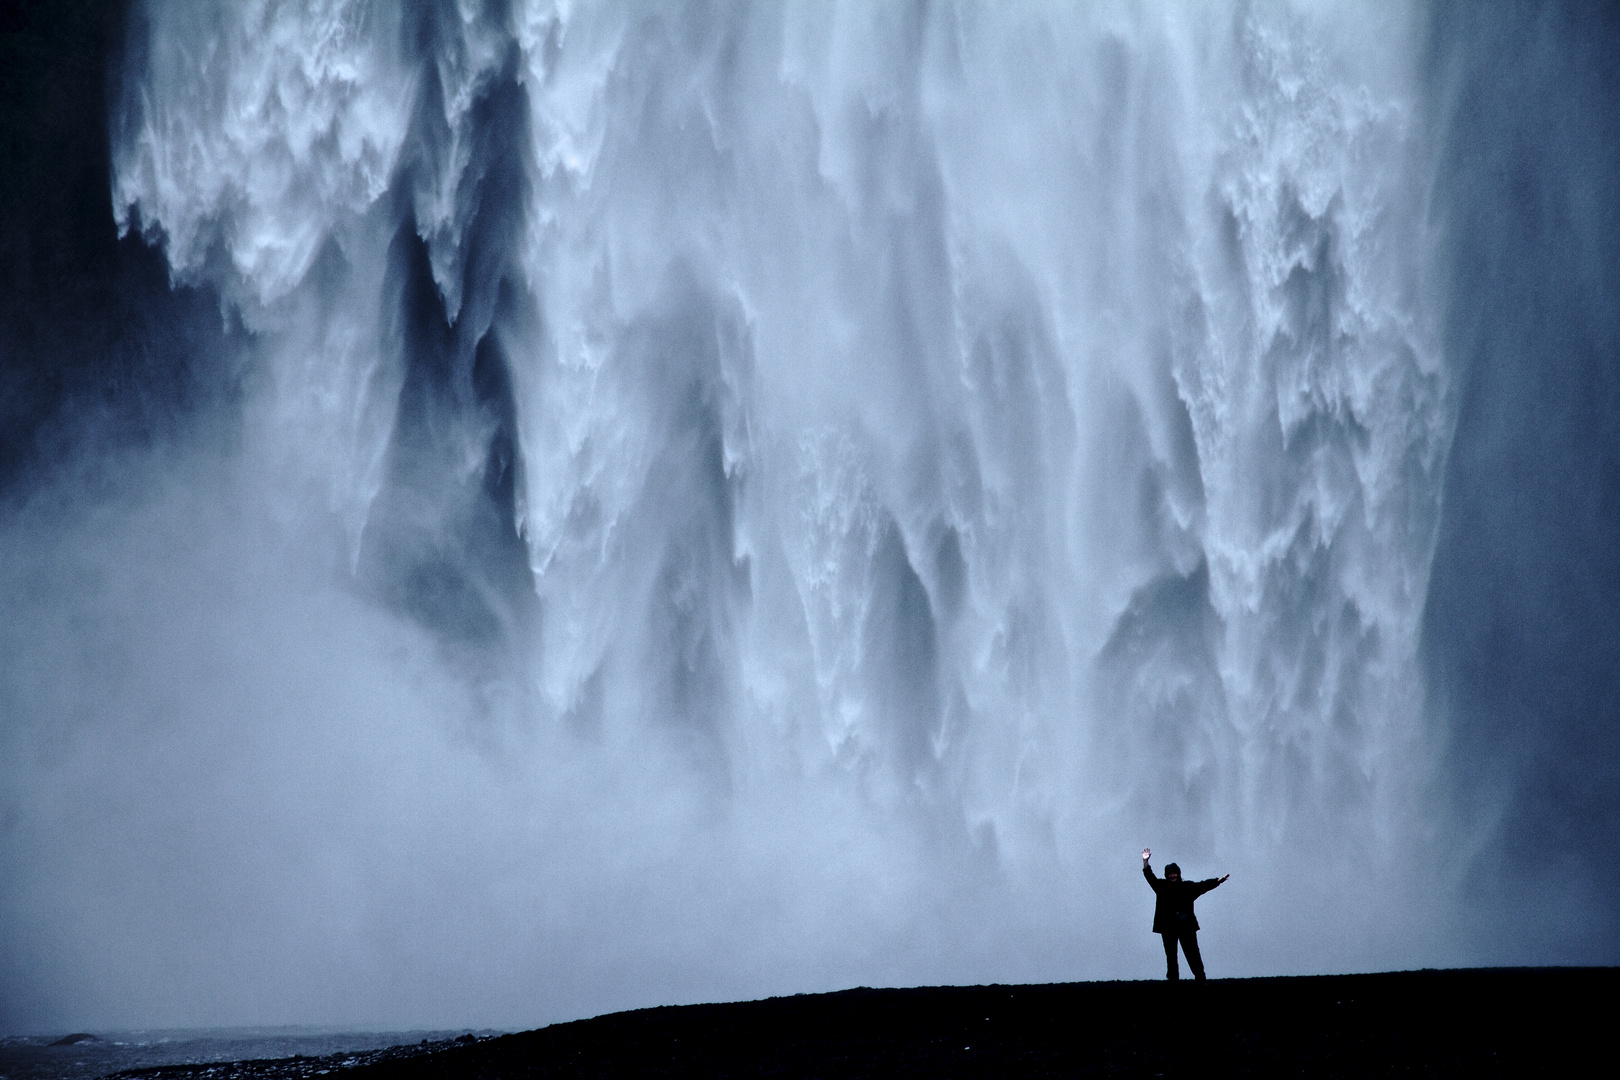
<point>750,499</point>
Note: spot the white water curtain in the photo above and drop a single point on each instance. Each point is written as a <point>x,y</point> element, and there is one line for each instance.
<point>954,445</point>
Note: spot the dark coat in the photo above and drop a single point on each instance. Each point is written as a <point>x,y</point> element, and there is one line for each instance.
<point>1173,911</point>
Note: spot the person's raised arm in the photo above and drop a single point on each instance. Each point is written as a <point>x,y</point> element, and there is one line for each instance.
<point>1147,869</point>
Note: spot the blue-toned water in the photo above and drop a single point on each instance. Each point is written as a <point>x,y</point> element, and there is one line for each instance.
<point>39,1057</point>
<point>684,501</point>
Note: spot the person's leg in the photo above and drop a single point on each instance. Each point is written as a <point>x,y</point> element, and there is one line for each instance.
<point>1172,969</point>
<point>1189,945</point>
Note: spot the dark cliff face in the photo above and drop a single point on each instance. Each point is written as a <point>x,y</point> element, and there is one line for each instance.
<point>96,350</point>
<point>1522,625</point>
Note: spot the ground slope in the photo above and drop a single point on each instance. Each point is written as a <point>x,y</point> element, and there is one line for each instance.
<point>1479,1023</point>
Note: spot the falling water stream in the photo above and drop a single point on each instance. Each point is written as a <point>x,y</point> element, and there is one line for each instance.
<point>727,500</point>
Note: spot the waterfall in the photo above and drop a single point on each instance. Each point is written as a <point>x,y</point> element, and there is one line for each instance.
<point>736,499</point>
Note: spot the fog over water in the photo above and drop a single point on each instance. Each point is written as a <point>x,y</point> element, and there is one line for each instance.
<point>629,504</point>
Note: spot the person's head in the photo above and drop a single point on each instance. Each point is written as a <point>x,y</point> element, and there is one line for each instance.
<point>1172,872</point>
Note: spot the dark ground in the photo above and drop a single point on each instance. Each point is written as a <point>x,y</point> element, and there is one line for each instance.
<point>1477,1023</point>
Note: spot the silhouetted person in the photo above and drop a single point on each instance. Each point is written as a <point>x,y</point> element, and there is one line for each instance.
<point>1173,918</point>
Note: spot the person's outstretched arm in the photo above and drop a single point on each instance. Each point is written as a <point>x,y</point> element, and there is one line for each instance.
<point>1205,886</point>
<point>1147,870</point>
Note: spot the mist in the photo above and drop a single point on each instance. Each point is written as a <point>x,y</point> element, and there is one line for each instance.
<point>517,511</point>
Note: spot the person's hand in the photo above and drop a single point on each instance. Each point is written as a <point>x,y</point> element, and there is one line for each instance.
<point>1147,853</point>
<point>1223,878</point>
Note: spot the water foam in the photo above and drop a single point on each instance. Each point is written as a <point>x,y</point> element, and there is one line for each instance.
<point>949,446</point>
